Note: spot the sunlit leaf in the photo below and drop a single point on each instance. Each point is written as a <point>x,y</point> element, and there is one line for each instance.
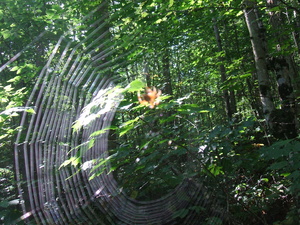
<point>6,34</point>
<point>8,88</point>
<point>15,68</point>
<point>15,79</point>
<point>31,111</point>
<point>136,85</point>
<point>124,130</point>
<point>91,143</point>
<point>98,132</point>
<point>74,161</point>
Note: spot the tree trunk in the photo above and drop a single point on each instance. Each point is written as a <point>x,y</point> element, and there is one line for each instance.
<point>296,32</point>
<point>257,36</point>
<point>282,68</point>
<point>227,98</point>
<point>166,71</point>
<point>281,65</point>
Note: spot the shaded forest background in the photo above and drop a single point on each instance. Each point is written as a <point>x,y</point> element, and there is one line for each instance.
<point>229,111</point>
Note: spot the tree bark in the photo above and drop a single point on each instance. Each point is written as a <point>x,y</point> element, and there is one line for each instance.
<point>282,67</point>
<point>228,99</point>
<point>257,36</point>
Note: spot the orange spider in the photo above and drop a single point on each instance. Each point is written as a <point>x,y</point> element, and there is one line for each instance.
<point>151,97</point>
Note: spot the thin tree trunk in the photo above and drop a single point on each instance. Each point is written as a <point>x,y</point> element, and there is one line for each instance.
<point>226,96</point>
<point>166,72</point>
<point>256,31</point>
<point>296,32</point>
<point>147,74</point>
<point>254,100</point>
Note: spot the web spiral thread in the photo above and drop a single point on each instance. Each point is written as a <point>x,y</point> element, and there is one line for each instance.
<point>75,76</point>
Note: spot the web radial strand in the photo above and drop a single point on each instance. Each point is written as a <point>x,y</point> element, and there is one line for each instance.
<point>75,77</point>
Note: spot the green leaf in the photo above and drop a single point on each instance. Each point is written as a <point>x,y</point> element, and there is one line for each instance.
<point>136,85</point>
<point>215,170</point>
<point>181,213</point>
<point>74,161</point>
<point>4,204</point>
<point>19,70</point>
<point>91,143</point>
<point>6,34</point>
<point>278,165</point>
<point>77,125</point>
<point>31,111</point>
<point>124,130</point>
<point>100,166</point>
<point>98,132</point>
<point>277,150</point>
<point>239,13</point>
<point>15,79</point>
<point>295,175</point>
<point>264,179</point>
<point>52,14</point>
<point>285,174</point>
<point>134,194</point>
<point>15,68</point>
<point>8,88</point>
<point>197,209</point>
<point>274,9</point>
<point>130,122</point>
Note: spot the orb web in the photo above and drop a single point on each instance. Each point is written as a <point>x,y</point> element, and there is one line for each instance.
<point>78,74</point>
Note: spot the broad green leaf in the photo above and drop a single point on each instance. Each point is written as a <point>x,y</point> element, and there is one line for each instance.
<point>6,34</point>
<point>285,174</point>
<point>15,68</point>
<point>19,71</point>
<point>15,79</point>
<point>136,85</point>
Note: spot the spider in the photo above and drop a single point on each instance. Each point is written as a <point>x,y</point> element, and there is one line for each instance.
<point>151,97</point>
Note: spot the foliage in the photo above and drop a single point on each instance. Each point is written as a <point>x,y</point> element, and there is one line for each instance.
<point>11,101</point>
<point>283,158</point>
<point>170,45</point>
<point>156,145</point>
<point>9,212</point>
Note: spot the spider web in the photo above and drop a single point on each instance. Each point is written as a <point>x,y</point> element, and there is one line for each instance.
<point>75,76</point>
